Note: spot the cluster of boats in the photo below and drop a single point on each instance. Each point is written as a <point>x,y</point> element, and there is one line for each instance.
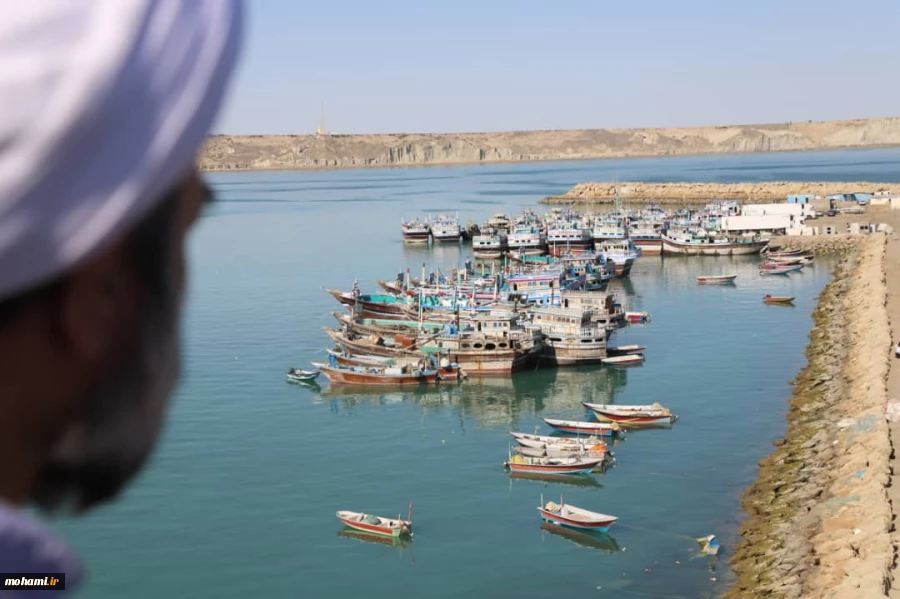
<point>436,329</point>
<point>549,458</point>
<point>617,234</point>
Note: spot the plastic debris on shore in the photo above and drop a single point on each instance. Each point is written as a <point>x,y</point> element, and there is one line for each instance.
<point>892,411</point>
<point>709,545</point>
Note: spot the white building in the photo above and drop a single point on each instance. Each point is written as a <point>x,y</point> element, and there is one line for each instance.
<point>794,210</point>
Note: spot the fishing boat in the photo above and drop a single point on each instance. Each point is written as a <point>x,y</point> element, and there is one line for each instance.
<point>378,375</point>
<point>445,228</point>
<point>637,317</point>
<point>716,279</point>
<point>646,238</point>
<point>648,415</point>
<point>622,252</point>
<point>568,466</point>
<point>527,240</point>
<point>604,429</point>
<point>415,231</point>
<point>686,244</point>
<point>800,259</point>
<point>548,441</point>
<point>780,266</point>
<point>625,350</point>
<point>567,236</point>
<point>447,370</point>
<point>600,452</point>
<point>622,361</point>
<point>776,299</point>
<point>570,336</point>
<point>779,253</point>
<point>766,271</point>
<point>389,527</point>
<point>372,305</point>
<point>489,244</point>
<point>575,517</point>
<point>295,375</point>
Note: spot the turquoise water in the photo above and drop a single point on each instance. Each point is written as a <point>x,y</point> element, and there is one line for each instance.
<point>240,498</point>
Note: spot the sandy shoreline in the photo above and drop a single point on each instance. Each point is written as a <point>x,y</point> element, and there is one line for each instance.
<point>819,515</point>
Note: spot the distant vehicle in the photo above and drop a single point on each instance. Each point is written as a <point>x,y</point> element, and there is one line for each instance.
<point>831,212</point>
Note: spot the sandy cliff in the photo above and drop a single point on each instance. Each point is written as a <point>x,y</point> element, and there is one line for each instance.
<point>234,152</point>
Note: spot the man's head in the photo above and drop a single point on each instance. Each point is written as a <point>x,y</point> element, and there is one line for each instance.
<point>97,196</point>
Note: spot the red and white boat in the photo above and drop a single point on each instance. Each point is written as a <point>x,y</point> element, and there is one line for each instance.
<point>630,416</point>
<point>389,527</point>
<point>575,517</point>
<point>577,465</point>
<point>716,279</point>
<point>605,429</point>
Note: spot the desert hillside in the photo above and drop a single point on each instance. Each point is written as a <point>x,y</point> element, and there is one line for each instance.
<point>237,152</point>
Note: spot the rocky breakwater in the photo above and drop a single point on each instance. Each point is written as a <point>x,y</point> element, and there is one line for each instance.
<point>819,514</point>
<point>679,193</point>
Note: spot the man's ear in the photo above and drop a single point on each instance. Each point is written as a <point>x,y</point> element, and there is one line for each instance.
<point>97,305</point>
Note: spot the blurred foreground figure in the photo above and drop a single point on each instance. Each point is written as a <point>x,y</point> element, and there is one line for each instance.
<point>103,107</point>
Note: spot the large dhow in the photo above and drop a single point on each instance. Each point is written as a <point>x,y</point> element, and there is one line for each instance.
<point>570,336</point>
<point>491,343</point>
<point>415,231</point>
<point>703,244</point>
<point>446,228</point>
<point>377,525</point>
<point>632,416</point>
<point>490,244</point>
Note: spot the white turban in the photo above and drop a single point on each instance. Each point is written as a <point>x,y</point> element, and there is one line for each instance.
<point>103,107</point>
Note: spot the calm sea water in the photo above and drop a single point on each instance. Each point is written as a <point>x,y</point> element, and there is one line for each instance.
<point>239,500</point>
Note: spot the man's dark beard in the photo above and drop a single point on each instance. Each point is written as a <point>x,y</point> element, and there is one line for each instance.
<point>98,455</point>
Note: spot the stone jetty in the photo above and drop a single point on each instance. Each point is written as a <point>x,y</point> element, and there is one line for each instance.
<point>680,193</point>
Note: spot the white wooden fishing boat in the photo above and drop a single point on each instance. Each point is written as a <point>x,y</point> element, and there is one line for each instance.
<point>389,527</point>
<point>716,279</point>
<point>543,441</point>
<point>633,415</point>
<point>689,245</point>
<point>605,429</point>
<point>569,466</point>
<point>575,517</point>
<point>550,452</point>
<point>627,360</point>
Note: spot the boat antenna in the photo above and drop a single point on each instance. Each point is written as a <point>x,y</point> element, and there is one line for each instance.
<point>409,515</point>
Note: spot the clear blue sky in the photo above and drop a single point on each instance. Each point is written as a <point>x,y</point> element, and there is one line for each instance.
<point>488,65</point>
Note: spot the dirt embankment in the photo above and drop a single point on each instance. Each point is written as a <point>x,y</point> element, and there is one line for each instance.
<point>250,152</point>
<point>820,517</point>
<point>662,193</point>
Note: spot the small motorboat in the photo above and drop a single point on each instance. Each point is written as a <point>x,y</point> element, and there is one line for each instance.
<point>378,375</point>
<point>647,415</point>
<point>601,452</point>
<point>569,466</point>
<point>637,317</point>
<point>622,361</point>
<point>625,350</point>
<point>716,279</point>
<point>295,375</point>
<point>604,429</point>
<point>575,517</point>
<point>777,299</point>
<point>389,527</point>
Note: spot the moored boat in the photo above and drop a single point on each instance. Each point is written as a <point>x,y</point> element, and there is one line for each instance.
<point>389,527</point>
<point>575,517</point>
<point>545,441</point>
<point>605,429</point>
<point>622,253</point>
<point>447,370</point>
<point>622,361</point>
<point>296,375</point>
<point>569,466</point>
<point>694,246</point>
<point>646,415</point>
<point>446,228</point>
<point>637,317</point>
<point>415,231</point>
<point>489,244</point>
<point>716,279</point>
<point>776,299</point>
<point>378,375</point>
